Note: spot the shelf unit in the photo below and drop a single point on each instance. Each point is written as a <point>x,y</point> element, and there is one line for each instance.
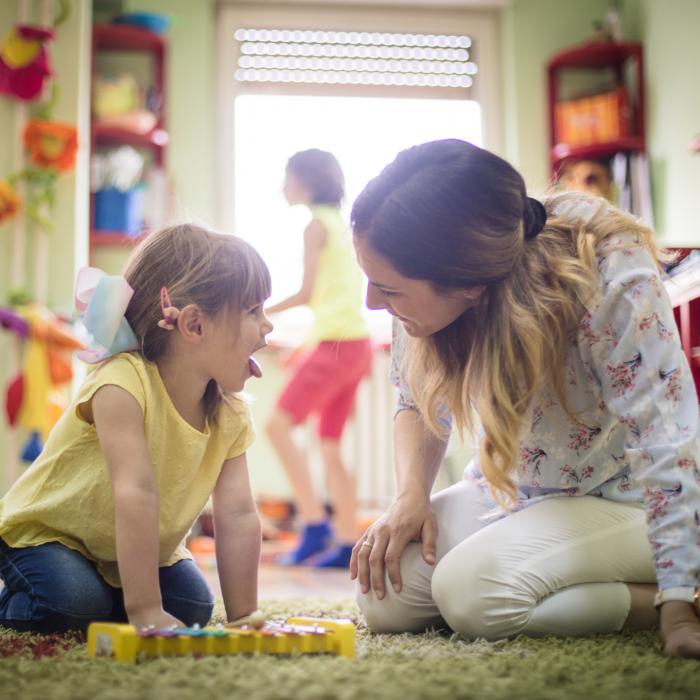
<point>590,57</point>
<point>104,239</point>
<point>125,38</point>
<point>684,292</point>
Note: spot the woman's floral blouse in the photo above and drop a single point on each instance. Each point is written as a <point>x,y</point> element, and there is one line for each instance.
<point>635,435</point>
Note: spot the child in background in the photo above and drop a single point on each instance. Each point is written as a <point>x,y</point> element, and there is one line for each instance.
<point>95,529</point>
<point>326,380</point>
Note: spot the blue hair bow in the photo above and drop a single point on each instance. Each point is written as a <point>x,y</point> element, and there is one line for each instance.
<point>101,301</point>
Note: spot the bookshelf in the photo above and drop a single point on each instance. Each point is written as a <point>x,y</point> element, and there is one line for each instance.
<point>684,292</point>
<point>593,57</point>
<point>123,42</point>
<point>596,113</point>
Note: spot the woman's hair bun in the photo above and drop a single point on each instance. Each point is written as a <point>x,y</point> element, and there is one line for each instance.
<point>534,216</point>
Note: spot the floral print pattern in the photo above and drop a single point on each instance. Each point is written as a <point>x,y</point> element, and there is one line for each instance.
<point>623,375</point>
<point>581,437</point>
<point>635,437</point>
<point>673,385</point>
<point>576,476</point>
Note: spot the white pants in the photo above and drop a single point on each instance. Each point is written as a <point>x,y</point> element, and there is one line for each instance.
<point>555,567</point>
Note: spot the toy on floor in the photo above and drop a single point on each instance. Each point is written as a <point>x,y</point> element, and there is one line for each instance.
<point>256,620</point>
<point>296,635</point>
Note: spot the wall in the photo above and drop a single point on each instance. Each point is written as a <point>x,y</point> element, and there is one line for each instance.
<point>669,32</point>
<point>70,55</point>
<point>68,241</point>
<point>7,126</point>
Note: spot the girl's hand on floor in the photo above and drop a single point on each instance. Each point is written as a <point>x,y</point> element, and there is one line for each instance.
<point>155,617</point>
<point>409,519</point>
<point>680,629</point>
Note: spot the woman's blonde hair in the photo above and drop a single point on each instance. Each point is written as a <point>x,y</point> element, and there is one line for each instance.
<point>215,271</point>
<point>453,214</point>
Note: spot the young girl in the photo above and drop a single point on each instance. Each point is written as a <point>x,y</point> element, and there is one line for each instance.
<point>552,322</point>
<point>326,381</point>
<point>95,529</point>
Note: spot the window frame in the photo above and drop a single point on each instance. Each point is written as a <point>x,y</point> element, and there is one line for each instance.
<point>482,25</point>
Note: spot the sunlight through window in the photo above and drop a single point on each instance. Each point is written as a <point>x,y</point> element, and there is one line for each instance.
<point>364,133</point>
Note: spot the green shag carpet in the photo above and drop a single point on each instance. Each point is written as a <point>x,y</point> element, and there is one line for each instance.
<point>395,667</point>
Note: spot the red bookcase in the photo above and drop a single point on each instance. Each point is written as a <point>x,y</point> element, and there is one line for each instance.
<point>685,297</point>
<point>129,39</point>
<point>625,61</point>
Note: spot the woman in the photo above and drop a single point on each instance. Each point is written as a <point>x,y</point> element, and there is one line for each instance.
<point>551,322</point>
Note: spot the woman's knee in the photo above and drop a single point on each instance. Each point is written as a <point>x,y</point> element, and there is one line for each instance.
<point>477,599</point>
<point>411,610</point>
<point>390,614</point>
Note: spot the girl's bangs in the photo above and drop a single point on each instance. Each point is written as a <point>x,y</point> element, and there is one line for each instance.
<point>257,284</point>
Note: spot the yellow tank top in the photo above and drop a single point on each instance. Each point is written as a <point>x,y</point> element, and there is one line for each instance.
<point>66,495</point>
<point>336,299</point>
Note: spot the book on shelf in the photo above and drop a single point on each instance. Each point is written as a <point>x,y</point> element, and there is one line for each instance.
<point>641,189</point>
<point>630,174</point>
<point>620,175</point>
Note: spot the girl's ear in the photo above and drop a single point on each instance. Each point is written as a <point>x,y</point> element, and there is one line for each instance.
<point>189,323</point>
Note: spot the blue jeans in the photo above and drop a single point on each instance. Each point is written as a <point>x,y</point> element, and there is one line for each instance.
<point>51,588</point>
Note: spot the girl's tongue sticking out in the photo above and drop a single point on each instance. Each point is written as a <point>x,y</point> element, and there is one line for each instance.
<point>255,368</point>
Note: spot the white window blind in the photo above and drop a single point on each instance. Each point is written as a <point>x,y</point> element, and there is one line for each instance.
<point>324,57</point>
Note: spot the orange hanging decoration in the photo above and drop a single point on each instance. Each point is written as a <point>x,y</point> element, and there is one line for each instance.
<point>51,144</point>
<point>60,369</point>
<point>10,202</point>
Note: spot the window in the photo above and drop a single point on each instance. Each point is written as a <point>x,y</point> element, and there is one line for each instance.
<point>363,84</point>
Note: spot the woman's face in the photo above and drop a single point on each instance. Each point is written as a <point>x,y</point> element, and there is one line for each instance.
<point>416,303</point>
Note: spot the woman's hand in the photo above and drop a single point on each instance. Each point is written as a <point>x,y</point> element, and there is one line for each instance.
<point>680,629</point>
<point>156,617</point>
<point>409,519</point>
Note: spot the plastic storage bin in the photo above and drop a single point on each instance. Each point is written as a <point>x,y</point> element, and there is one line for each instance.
<point>152,21</point>
<point>117,211</point>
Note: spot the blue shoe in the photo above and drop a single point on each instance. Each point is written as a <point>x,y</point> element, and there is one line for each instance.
<point>315,537</point>
<point>337,557</point>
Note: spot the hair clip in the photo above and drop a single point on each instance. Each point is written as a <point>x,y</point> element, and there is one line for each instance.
<point>170,313</point>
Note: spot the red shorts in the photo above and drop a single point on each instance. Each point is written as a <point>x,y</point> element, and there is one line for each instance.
<point>325,382</point>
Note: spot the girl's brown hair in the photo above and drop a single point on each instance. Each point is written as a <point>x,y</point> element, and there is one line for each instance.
<point>215,271</point>
<point>453,214</point>
<point>320,172</point>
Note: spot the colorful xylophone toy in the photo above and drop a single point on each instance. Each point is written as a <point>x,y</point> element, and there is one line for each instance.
<point>296,635</point>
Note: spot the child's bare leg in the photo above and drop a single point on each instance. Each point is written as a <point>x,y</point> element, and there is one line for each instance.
<point>279,429</point>
<point>341,485</point>
<point>642,614</point>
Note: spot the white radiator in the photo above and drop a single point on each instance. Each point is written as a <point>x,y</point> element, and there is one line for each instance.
<point>367,440</point>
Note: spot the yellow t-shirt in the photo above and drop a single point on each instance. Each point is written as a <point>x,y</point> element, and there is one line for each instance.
<point>66,495</point>
<point>336,299</point>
